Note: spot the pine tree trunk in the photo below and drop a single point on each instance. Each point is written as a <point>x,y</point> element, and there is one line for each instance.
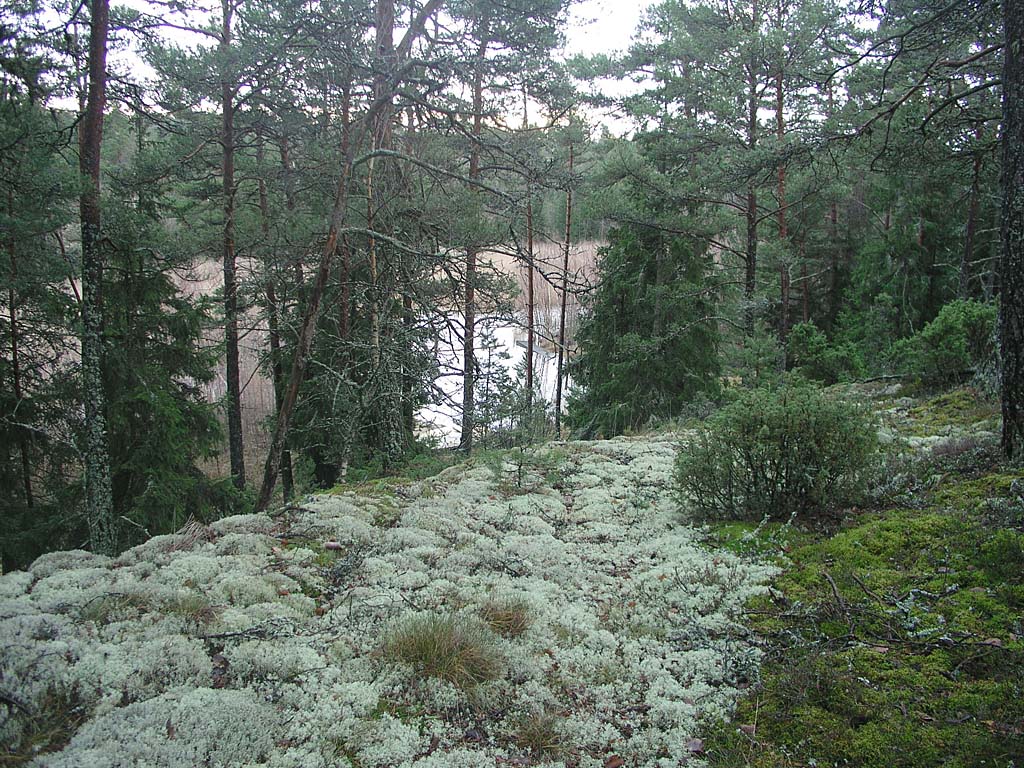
<point>99,505</point>
<point>387,383</point>
<point>345,308</point>
<point>834,291</point>
<point>276,357</point>
<point>16,384</point>
<point>805,289</point>
<point>565,294</point>
<point>967,255</point>
<point>530,306</point>
<point>290,206</point>
<point>750,257</point>
<point>273,323</point>
<point>530,320</point>
<point>1011,303</point>
<point>834,288</point>
<point>780,129</point>
<point>469,306</point>
<point>227,138</point>
<point>312,307</point>
<point>750,262</point>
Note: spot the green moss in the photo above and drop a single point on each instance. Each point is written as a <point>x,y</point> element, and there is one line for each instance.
<point>968,495</point>
<point>387,513</point>
<point>407,712</point>
<point>959,408</point>
<point>743,537</point>
<point>896,643</point>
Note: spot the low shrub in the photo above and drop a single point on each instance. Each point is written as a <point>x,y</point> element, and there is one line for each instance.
<point>776,452</point>
<point>458,649</point>
<point>958,343</point>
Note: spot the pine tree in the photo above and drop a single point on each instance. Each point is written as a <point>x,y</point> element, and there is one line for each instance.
<point>99,499</point>
<point>648,338</point>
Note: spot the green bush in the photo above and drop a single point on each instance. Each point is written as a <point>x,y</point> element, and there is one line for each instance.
<point>776,452</point>
<point>958,342</point>
<point>810,354</point>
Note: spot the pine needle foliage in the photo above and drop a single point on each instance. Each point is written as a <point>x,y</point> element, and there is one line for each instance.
<point>647,343</point>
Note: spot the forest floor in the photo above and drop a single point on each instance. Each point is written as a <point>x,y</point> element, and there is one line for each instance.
<point>894,636</point>
<point>548,607</point>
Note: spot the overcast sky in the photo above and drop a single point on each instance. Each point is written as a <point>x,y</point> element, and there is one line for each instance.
<point>603,26</point>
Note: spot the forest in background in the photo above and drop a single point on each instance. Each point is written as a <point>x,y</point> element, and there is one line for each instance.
<point>828,188</point>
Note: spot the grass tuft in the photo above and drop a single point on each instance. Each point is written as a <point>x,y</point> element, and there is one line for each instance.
<point>113,607</point>
<point>539,733</point>
<point>193,607</point>
<point>45,728</point>
<point>453,648</point>
<point>509,618</point>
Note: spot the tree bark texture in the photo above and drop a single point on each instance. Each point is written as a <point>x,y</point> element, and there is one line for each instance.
<point>227,139</point>
<point>1011,302</point>
<point>99,505</point>
<point>565,294</point>
<point>16,384</point>
<point>345,310</point>
<point>290,205</point>
<point>750,255</point>
<point>387,387</point>
<point>750,262</point>
<point>530,301</point>
<point>967,255</point>
<point>469,306</point>
<point>273,322</point>
<point>780,129</point>
<point>530,304</point>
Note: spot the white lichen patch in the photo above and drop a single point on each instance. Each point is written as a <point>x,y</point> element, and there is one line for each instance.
<point>178,728</point>
<point>262,641</point>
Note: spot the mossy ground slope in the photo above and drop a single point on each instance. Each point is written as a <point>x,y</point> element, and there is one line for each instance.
<point>540,608</point>
<point>894,637</point>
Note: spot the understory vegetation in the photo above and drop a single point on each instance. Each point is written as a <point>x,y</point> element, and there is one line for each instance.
<point>893,634</point>
<point>560,606</point>
<point>778,451</point>
<point>544,607</point>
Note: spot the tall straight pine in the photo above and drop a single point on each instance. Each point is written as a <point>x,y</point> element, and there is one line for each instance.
<point>98,499</point>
